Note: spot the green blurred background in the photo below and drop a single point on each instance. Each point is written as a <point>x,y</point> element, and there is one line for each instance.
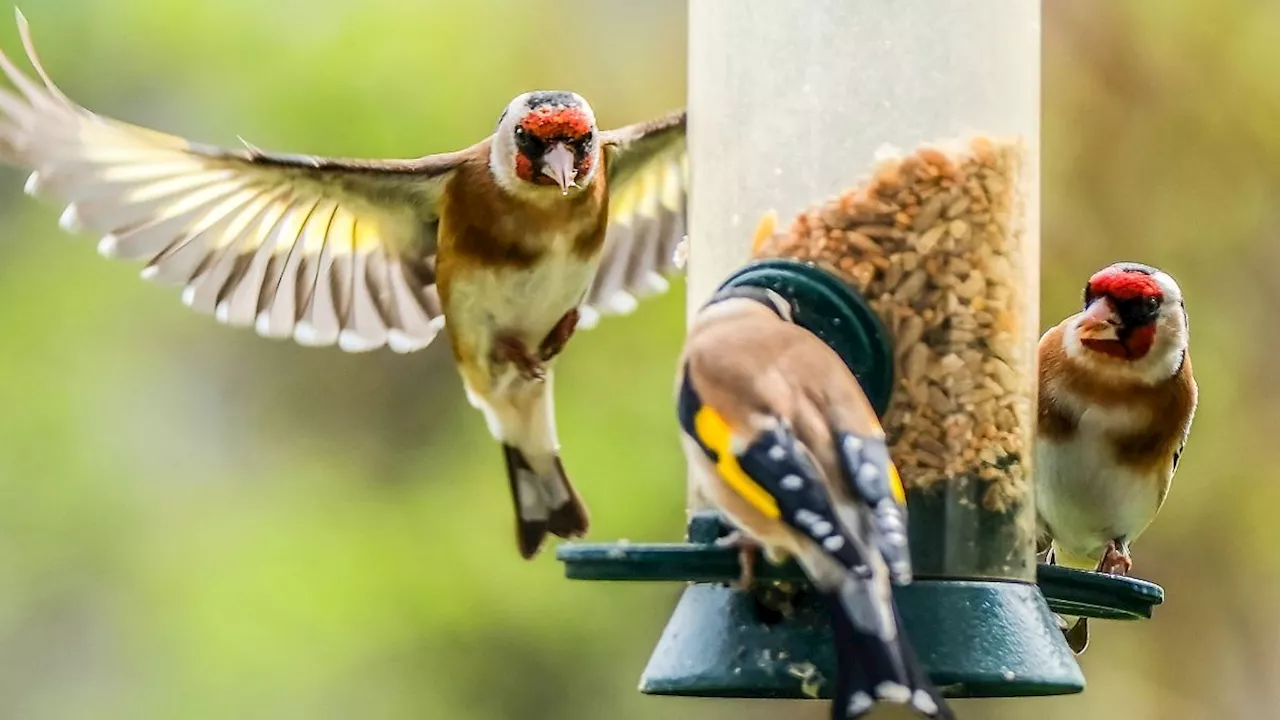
<point>198,523</point>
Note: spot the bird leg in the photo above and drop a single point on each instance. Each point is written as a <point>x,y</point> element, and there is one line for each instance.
<point>509,348</point>
<point>1115,559</point>
<point>559,336</point>
<point>748,553</point>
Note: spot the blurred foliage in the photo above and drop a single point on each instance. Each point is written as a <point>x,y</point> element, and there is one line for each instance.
<point>197,523</point>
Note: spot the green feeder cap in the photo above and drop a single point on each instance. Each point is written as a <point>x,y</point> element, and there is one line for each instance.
<point>828,307</point>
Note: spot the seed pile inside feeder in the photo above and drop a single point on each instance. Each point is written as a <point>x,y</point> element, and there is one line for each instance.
<point>935,242</point>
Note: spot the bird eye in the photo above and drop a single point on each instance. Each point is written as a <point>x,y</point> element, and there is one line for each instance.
<point>519,131</point>
<point>1153,303</point>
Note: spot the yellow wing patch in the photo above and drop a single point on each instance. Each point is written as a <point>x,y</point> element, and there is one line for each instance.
<point>714,432</point>
<point>657,188</point>
<point>895,485</point>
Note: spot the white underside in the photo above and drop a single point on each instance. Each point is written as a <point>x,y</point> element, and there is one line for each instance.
<point>526,304</point>
<point>1086,498</point>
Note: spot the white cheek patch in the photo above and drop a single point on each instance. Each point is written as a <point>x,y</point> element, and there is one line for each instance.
<point>1168,286</point>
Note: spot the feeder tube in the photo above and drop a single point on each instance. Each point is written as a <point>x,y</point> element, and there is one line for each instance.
<point>789,103</point>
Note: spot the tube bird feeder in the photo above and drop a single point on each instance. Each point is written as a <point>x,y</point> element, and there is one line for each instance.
<point>920,267</point>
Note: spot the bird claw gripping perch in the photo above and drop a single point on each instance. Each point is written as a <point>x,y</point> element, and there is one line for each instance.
<point>1116,559</point>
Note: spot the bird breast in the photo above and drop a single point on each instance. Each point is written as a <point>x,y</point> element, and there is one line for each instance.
<point>525,301</point>
<point>1084,494</point>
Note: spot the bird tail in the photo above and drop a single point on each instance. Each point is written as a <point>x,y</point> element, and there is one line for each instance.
<point>1074,629</point>
<point>871,668</point>
<point>545,500</point>
<point>523,420</point>
<point>1078,635</point>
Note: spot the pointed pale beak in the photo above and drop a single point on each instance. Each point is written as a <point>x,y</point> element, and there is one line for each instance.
<point>1100,321</point>
<point>558,164</point>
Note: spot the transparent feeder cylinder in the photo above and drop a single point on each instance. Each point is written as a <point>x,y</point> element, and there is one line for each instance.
<point>790,104</point>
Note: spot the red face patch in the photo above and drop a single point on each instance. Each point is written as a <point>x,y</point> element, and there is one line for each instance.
<point>552,123</point>
<point>1124,285</point>
<point>1135,345</point>
<point>524,168</point>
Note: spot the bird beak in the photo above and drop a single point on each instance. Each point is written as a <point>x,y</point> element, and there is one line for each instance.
<point>1100,321</point>
<point>558,164</point>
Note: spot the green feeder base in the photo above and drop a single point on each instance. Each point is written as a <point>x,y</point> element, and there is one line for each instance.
<point>976,638</point>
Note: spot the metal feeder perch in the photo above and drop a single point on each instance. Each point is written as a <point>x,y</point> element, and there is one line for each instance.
<point>787,102</point>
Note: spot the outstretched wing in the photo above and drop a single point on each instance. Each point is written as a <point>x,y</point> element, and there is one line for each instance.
<point>648,171</point>
<point>324,250</point>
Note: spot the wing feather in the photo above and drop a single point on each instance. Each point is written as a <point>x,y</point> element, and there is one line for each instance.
<point>647,166</point>
<point>286,243</point>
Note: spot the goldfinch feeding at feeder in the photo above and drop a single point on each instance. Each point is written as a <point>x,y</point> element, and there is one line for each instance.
<point>1117,399</point>
<point>514,241</point>
<point>784,443</point>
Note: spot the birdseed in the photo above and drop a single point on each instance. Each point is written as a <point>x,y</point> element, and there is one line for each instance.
<point>936,243</point>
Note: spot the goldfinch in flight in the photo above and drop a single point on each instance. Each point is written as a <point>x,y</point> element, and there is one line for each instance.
<point>509,244</point>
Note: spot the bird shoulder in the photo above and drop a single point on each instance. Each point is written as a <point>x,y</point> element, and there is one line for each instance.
<point>719,442</point>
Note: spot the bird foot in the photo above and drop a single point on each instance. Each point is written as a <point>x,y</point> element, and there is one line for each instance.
<point>507,348</point>
<point>748,554</point>
<point>559,336</point>
<point>1115,559</point>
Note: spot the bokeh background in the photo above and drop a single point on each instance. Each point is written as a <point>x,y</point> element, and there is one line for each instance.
<point>198,523</point>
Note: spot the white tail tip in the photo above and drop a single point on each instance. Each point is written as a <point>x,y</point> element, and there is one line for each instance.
<point>921,701</point>
<point>859,703</point>
<point>893,692</point>
<point>32,186</point>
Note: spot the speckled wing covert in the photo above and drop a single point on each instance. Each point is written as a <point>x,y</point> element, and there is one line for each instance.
<point>324,250</point>
<point>648,172</point>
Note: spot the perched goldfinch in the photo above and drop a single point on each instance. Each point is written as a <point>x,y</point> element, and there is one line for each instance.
<point>504,240</point>
<point>1116,403</point>
<point>785,444</point>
